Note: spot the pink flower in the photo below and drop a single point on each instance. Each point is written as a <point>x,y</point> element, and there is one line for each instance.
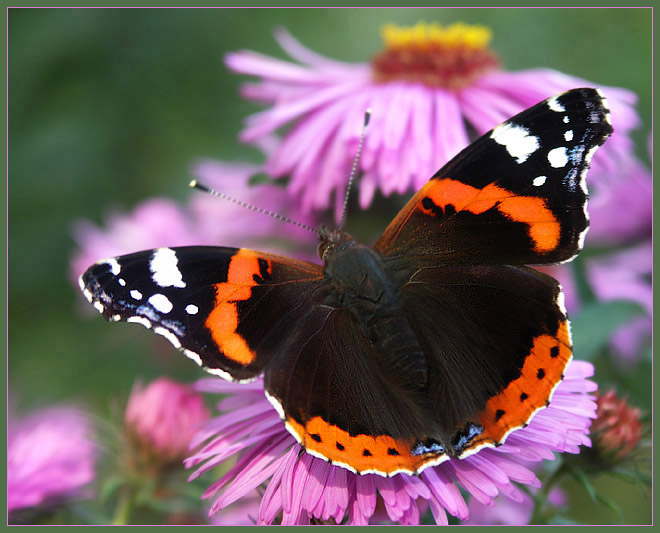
<point>621,206</point>
<point>626,275</point>
<point>50,457</point>
<point>622,275</point>
<point>162,418</point>
<point>301,488</point>
<point>426,90</point>
<point>509,512</point>
<point>203,220</point>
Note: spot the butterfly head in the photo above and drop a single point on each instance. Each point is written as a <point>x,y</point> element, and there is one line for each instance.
<point>333,241</point>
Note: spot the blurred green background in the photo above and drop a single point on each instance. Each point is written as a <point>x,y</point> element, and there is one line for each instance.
<point>108,107</point>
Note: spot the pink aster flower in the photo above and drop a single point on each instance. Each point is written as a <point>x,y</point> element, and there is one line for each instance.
<point>50,457</point>
<point>300,488</point>
<point>161,419</point>
<point>203,220</point>
<point>427,89</point>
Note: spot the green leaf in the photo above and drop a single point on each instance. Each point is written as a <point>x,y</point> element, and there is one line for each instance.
<point>632,475</point>
<point>110,486</point>
<point>580,476</point>
<point>613,506</point>
<point>595,323</point>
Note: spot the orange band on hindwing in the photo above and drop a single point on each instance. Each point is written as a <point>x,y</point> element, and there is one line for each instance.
<point>223,320</point>
<point>363,453</point>
<point>542,371</point>
<point>544,228</point>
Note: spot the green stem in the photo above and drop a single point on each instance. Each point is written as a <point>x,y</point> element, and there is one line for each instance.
<point>539,516</point>
<point>124,506</point>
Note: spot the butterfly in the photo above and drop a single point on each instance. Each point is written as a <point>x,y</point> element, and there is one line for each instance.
<point>435,342</point>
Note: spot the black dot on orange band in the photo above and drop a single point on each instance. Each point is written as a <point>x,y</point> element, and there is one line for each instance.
<point>554,351</point>
<point>392,451</point>
<point>315,436</point>
<point>540,374</point>
<point>523,396</point>
<point>366,453</point>
<point>498,414</point>
<point>339,445</point>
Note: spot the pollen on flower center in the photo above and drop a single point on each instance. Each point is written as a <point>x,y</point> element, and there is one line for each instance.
<point>437,56</point>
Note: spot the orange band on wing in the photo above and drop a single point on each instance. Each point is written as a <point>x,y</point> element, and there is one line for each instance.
<point>363,453</point>
<point>544,228</point>
<point>542,371</point>
<point>222,322</point>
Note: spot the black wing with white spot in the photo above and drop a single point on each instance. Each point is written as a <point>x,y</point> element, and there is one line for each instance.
<point>223,307</point>
<point>517,195</point>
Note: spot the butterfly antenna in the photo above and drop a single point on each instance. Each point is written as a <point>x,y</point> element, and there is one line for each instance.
<point>200,186</point>
<point>367,116</point>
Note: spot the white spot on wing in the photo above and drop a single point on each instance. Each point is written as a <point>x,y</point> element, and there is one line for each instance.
<point>122,282</point>
<point>517,141</point>
<point>88,294</point>
<point>560,301</point>
<point>605,106</point>
<point>139,320</point>
<point>557,157</point>
<point>568,135</point>
<point>160,303</point>
<point>168,335</point>
<point>226,375</point>
<point>192,355</point>
<point>276,405</point>
<point>99,307</point>
<point>539,180</point>
<point>554,105</point>
<point>136,294</point>
<point>163,266</point>
<point>192,309</point>
<point>115,267</point>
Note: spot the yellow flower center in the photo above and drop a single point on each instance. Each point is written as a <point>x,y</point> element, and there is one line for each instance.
<point>426,36</point>
<point>438,56</point>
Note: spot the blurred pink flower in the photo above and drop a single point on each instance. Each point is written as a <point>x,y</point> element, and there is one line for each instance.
<point>203,220</point>
<point>618,428</point>
<point>50,457</point>
<point>302,488</point>
<point>162,418</point>
<point>508,512</point>
<point>621,206</point>
<point>625,274</point>
<point>425,92</point>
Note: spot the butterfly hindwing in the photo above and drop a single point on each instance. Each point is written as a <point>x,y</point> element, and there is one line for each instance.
<point>516,195</point>
<point>497,341</point>
<point>220,306</point>
<point>337,396</point>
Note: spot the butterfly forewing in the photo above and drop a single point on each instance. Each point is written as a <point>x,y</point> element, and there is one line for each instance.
<point>221,306</point>
<point>517,195</point>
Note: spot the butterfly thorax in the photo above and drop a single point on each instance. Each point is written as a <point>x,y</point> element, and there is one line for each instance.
<point>366,288</point>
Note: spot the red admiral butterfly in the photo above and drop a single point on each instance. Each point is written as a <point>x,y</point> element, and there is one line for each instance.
<point>433,343</point>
